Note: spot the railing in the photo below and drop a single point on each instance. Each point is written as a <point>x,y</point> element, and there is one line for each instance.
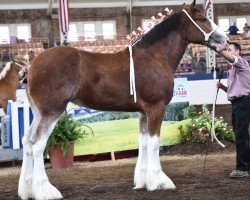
<point>18,50</point>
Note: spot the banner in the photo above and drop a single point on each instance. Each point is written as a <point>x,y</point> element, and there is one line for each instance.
<point>180,93</point>
<point>64,15</point>
<point>207,4</point>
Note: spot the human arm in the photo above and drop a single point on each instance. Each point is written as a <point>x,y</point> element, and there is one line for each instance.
<point>221,86</point>
<point>222,50</point>
<point>227,56</point>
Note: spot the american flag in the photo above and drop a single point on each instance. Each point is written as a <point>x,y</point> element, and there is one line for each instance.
<point>64,15</point>
<point>207,4</point>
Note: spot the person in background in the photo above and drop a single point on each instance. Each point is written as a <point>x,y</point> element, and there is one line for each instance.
<point>238,92</point>
<point>233,30</point>
<point>246,33</point>
<point>246,25</point>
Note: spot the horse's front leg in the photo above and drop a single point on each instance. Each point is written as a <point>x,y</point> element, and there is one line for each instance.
<point>155,177</point>
<point>141,165</point>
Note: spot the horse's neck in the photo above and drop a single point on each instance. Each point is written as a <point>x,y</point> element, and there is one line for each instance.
<point>170,50</point>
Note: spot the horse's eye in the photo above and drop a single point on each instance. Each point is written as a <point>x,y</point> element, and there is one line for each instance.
<point>203,20</point>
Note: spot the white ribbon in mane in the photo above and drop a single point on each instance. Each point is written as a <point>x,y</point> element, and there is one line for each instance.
<point>132,74</point>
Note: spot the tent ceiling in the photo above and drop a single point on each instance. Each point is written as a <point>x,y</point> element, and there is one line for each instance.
<point>38,4</point>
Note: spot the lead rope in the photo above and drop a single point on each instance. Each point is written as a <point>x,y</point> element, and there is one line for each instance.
<point>207,35</point>
<point>212,131</point>
<point>213,114</point>
<point>132,74</point>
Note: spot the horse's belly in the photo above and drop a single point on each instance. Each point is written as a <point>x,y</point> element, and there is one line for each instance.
<point>106,102</point>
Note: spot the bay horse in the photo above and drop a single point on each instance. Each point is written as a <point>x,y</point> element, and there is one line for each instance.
<point>8,84</point>
<point>101,81</point>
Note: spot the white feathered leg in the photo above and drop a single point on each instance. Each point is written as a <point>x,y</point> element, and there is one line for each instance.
<point>156,178</point>
<point>25,180</point>
<point>42,189</point>
<point>141,165</point>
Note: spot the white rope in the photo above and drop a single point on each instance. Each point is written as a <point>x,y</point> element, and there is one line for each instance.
<point>18,64</point>
<point>213,114</point>
<point>206,35</point>
<point>132,74</point>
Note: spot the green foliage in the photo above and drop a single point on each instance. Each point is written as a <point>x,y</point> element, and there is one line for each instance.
<point>174,111</point>
<point>109,116</point>
<point>199,128</point>
<point>66,131</point>
<point>189,112</point>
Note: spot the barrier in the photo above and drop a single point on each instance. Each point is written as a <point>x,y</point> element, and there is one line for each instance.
<point>5,131</point>
<point>20,120</point>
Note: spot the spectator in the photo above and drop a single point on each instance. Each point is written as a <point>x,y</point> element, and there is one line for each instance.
<point>202,60</point>
<point>246,33</point>
<point>186,63</point>
<point>233,30</point>
<point>246,26</point>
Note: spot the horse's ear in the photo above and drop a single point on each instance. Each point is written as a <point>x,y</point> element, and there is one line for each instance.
<point>193,5</point>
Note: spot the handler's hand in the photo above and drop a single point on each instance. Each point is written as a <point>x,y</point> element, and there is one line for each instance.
<point>219,85</point>
<point>222,46</point>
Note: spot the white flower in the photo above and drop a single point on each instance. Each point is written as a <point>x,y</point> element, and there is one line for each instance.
<point>221,117</point>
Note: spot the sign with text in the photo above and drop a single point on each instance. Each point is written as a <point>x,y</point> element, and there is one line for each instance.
<point>180,93</point>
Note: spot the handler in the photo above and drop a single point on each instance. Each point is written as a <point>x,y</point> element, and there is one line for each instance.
<point>238,93</point>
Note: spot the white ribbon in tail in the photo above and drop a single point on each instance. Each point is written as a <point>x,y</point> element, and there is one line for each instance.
<point>132,74</point>
<point>213,114</point>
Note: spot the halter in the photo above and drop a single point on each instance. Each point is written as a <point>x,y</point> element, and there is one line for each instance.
<point>207,35</point>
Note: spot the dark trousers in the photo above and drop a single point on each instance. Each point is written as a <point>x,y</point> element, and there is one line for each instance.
<point>240,121</point>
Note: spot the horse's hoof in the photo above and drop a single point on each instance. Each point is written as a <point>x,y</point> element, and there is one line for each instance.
<point>139,178</point>
<point>159,181</point>
<point>24,193</point>
<point>24,189</point>
<point>45,191</point>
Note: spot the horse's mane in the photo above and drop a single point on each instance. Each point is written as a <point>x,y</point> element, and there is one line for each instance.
<point>5,70</point>
<point>159,31</point>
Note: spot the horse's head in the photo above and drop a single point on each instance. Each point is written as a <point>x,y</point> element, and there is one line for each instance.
<point>200,30</point>
<point>20,68</point>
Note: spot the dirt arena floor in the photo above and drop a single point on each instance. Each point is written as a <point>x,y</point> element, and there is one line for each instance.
<point>114,180</point>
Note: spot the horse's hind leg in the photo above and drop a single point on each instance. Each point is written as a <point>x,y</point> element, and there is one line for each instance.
<point>33,180</point>
<point>155,177</point>
<point>41,187</point>
<point>25,180</point>
<point>141,165</point>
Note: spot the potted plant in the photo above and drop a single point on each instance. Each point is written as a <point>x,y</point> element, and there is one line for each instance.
<point>60,145</point>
